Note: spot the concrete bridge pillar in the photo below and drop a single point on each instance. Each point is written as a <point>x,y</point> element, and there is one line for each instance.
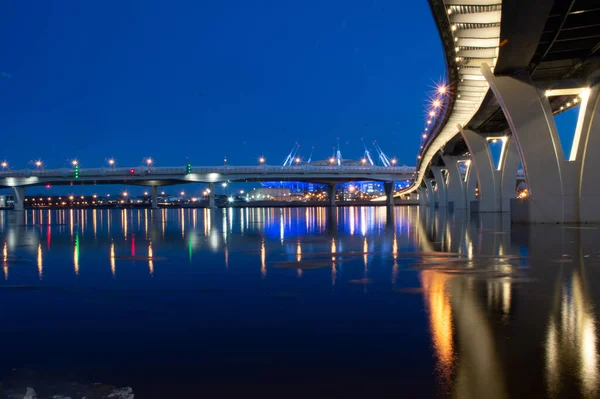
<point>211,196</point>
<point>497,183</point>
<point>456,190</point>
<point>154,191</point>
<point>442,199</point>
<point>562,189</point>
<point>19,198</point>
<point>331,191</point>
<point>422,196</point>
<point>388,187</point>
<point>430,192</point>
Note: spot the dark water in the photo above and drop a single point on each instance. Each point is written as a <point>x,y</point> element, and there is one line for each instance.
<point>358,302</point>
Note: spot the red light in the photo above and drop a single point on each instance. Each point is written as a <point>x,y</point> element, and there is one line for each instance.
<point>131,170</point>
<point>47,186</point>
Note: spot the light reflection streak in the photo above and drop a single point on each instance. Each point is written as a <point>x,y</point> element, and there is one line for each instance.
<point>571,341</point>
<point>124,222</point>
<point>150,259</point>
<point>182,224</point>
<point>113,268</point>
<point>365,255</point>
<point>4,260</point>
<point>440,320</point>
<point>39,262</point>
<point>333,265</point>
<point>94,222</point>
<point>76,254</point>
<point>263,258</point>
<point>298,252</point>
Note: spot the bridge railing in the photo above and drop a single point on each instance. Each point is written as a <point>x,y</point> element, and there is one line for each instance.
<point>224,170</point>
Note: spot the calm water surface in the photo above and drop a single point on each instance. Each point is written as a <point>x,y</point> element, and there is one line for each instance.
<point>354,302</point>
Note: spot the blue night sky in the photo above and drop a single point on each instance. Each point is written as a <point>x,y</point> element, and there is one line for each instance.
<point>204,80</point>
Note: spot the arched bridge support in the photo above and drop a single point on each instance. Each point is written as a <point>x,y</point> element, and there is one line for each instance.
<point>560,190</point>
<point>497,183</point>
<point>19,198</point>
<point>456,187</point>
<point>441,198</point>
<point>388,187</point>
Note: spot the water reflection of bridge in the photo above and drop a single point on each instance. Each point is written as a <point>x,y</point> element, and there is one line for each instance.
<point>527,283</point>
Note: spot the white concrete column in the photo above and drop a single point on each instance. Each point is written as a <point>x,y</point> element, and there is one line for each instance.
<point>560,190</point>
<point>19,198</point>
<point>331,191</point>
<point>510,167</point>
<point>388,187</point>
<point>154,191</point>
<point>470,184</point>
<point>430,192</point>
<point>422,196</point>
<point>456,187</point>
<point>442,198</point>
<point>211,195</point>
<point>482,161</point>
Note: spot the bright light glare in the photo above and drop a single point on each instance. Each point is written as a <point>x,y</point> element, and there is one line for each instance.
<point>74,162</point>
<point>125,194</point>
<point>4,164</point>
<point>149,161</point>
<point>437,103</point>
<point>230,199</point>
<point>224,184</point>
<point>38,163</point>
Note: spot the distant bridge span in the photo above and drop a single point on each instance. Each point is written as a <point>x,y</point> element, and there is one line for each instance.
<point>155,177</point>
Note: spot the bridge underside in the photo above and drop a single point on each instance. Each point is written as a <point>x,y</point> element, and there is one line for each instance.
<point>548,63</point>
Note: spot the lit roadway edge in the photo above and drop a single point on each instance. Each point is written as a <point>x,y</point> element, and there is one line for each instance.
<point>164,176</point>
<point>476,49</point>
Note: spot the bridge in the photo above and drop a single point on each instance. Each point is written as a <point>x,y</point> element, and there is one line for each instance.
<point>156,177</point>
<point>512,67</point>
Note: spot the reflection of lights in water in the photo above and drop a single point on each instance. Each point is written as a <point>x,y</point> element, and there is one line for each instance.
<point>124,222</point>
<point>440,319</point>
<point>363,220</point>
<point>225,227</point>
<point>71,221</point>
<point>4,260</point>
<point>150,259</point>
<point>298,252</point>
<point>571,347</point>
<point>206,222</point>
<point>351,220</point>
<point>226,256</point>
<point>182,224</point>
<point>365,255</point>
<point>299,272</point>
<point>94,221</point>
<point>113,268</point>
<point>76,254</point>
<point>263,258</point>
<point>281,228</point>
<point>333,266</point>
<point>39,261</point>
<point>230,218</point>
<point>395,247</point>
<point>146,223</point>
<point>214,241</point>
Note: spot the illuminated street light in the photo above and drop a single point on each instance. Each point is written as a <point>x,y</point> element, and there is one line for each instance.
<point>363,161</point>
<point>437,103</point>
<point>38,164</point>
<point>224,184</point>
<point>145,192</point>
<point>149,161</point>
<point>230,199</point>
<point>4,164</point>
<point>74,162</point>
<point>261,160</point>
<point>331,160</point>
<point>111,162</point>
<point>394,161</point>
<point>297,160</point>
<point>125,194</point>
<point>182,193</point>
<point>241,191</point>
